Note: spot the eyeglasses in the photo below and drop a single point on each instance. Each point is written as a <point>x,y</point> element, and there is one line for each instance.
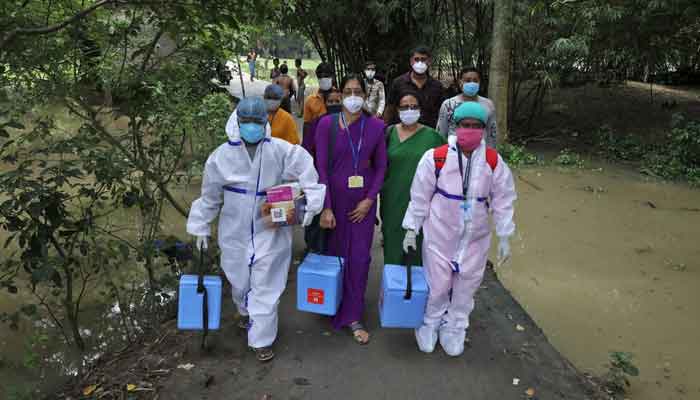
<point>353,92</point>
<point>409,107</point>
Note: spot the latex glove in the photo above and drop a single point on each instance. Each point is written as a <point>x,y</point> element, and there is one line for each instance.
<point>308,219</point>
<point>202,242</point>
<point>503,251</point>
<point>409,241</point>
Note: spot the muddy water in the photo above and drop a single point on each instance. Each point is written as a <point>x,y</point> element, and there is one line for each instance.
<point>600,270</point>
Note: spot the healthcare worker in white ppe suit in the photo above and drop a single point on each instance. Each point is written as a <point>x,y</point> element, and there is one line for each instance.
<point>454,191</point>
<point>254,255</point>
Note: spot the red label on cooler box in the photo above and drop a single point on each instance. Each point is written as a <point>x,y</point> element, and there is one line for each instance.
<point>314,296</point>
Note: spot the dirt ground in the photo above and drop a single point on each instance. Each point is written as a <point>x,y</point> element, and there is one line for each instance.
<point>571,116</point>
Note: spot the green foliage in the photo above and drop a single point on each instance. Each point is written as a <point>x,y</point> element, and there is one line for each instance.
<point>208,125</point>
<point>568,158</point>
<point>19,392</point>
<point>517,156</point>
<point>619,147</point>
<point>679,156</point>
<point>620,367</point>
<point>83,202</point>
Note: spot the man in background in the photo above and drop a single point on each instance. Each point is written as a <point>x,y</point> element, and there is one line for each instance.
<point>430,91</point>
<point>375,102</point>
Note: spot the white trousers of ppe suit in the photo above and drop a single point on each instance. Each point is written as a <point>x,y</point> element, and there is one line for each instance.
<point>455,246</point>
<point>254,256</point>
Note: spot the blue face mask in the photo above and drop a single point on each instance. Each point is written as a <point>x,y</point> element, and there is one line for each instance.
<point>252,132</point>
<point>470,89</point>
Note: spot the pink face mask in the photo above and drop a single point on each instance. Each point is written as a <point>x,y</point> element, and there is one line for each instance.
<point>469,138</point>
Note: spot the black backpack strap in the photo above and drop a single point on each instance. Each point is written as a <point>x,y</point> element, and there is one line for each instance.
<point>335,118</point>
<point>205,300</point>
<point>387,134</point>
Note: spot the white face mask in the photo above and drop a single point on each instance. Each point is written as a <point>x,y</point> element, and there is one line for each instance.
<point>325,83</point>
<point>420,67</point>
<point>272,105</point>
<point>409,117</point>
<point>353,103</point>
<point>369,73</point>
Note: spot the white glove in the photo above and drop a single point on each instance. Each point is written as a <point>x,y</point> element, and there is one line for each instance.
<point>503,250</point>
<point>409,241</point>
<point>308,219</point>
<point>202,242</point>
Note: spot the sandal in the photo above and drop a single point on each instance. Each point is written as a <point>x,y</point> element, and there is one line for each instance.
<point>264,354</point>
<point>357,330</point>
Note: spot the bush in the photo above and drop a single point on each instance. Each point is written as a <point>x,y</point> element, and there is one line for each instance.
<point>567,158</point>
<point>516,156</point>
<point>617,147</point>
<point>679,156</point>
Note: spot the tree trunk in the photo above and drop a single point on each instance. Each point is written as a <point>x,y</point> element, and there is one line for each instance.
<point>499,76</point>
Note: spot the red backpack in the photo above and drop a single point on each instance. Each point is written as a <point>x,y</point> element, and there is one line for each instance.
<point>440,156</point>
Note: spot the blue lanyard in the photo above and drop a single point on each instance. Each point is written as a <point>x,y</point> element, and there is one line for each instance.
<point>355,152</point>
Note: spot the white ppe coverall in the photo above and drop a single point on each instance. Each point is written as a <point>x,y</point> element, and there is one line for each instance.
<point>455,247</point>
<point>254,256</point>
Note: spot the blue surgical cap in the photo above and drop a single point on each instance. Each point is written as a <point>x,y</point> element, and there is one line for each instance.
<point>252,107</point>
<point>470,109</point>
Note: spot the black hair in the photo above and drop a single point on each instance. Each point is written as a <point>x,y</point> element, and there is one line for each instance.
<point>297,61</point>
<point>324,68</point>
<point>466,70</point>
<point>351,77</point>
<point>275,60</point>
<point>284,69</point>
<point>410,92</point>
<point>370,62</point>
<point>421,50</point>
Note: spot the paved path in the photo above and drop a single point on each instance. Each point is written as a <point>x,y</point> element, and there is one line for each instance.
<point>255,88</point>
<point>315,362</point>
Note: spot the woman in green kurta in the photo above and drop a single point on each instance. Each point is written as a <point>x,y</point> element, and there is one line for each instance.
<point>406,144</point>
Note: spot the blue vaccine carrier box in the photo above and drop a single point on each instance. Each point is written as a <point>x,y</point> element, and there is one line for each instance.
<point>190,312</point>
<point>395,310</point>
<point>320,284</point>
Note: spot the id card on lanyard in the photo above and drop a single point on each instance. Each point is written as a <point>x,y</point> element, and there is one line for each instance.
<point>356,181</point>
<point>466,206</point>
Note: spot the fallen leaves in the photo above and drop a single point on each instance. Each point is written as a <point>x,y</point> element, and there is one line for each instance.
<point>130,387</point>
<point>519,328</point>
<point>88,390</point>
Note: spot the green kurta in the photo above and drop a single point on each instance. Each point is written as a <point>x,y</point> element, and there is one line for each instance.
<point>396,192</point>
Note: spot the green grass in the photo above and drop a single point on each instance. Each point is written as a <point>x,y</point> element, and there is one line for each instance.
<point>264,73</point>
